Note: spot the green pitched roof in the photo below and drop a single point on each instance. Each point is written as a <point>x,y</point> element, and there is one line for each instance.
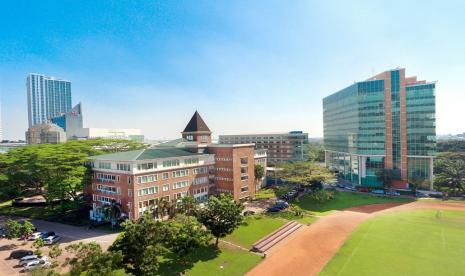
<point>144,154</point>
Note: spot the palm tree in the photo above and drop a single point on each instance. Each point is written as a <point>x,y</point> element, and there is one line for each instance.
<point>188,205</point>
<point>112,211</point>
<point>163,208</point>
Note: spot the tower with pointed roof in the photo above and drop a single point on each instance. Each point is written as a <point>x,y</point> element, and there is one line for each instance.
<point>197,131</point>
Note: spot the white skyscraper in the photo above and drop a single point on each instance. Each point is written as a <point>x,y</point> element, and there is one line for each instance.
<point>47,97</point>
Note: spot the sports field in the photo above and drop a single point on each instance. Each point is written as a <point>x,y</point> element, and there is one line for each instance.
<point>423,242</point>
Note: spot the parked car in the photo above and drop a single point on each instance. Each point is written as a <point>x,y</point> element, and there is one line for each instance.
<point>273,209</point>
<point>30,258</point>
<point>363,190</point>
<point>378,192</point>
<point>52,239</point>
<point>340,186</point>
<point>393,193</point>
<point>350,188</point>
<point>420,194</point>
<point>281,204</point>
<point>33,265</point>
<point>3,233</point>
<point>18,254</point>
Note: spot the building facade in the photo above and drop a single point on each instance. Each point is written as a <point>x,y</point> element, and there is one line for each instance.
<point>139,180</point>
<point>47,97</point>
<point>45,133</point>
<point>386,123</point>
<point>280,147</point>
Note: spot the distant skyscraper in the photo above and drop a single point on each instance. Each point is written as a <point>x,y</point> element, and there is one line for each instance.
<point>385,122</point>
<point>47,97</point>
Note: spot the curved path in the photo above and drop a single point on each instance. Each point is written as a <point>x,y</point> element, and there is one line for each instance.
<point>309,251</point>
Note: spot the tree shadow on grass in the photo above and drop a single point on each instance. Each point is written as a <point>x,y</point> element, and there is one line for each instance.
<point>171,265</point>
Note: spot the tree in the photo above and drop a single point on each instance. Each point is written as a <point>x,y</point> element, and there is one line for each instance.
<point>221,215</point>
<point>259,172</point>
<point>305,173</point>
<point>38,244</point>
<point>140,243</point>
<point>188,206</point>
<point>316,152</point>
<point>387,177</point>
<point>184,234</point>
<point>26,229</point>
<point>450,177</point>
<point>112,212</point>
<point>13,229</point>
<point>89,259</point>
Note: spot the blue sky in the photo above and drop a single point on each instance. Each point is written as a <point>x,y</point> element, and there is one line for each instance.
<point>247,66</point>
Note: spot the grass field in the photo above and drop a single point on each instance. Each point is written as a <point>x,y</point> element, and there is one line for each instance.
<point>253,229</point>
<point>343,200</point>
<point>227,260</point>
<point>404,243</point>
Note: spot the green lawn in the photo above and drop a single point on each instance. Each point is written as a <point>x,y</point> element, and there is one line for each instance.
<point>265,193</point>
<point>289,215</point>
<point>404,243</point>
<point>343,200</point>
<point>227,260</point>
<point>254,228</point>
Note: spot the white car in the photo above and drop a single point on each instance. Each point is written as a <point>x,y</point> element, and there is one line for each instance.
<point>27,259</point>
<point>33,265</point>
<point>34,236</point>
<point>52,239</point>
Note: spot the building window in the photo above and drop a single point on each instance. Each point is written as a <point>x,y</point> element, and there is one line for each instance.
<point>104,165</point>
<point>180,173</point>
<point>123,167</point>
<point>170,163</point>
<point>147,191</point>
<point>166,175</point>
<point>146,166</point>
<point>200,170</point>
<point>200,180</point>
<point>166,187</point>
<point>190,138</point>
<point>244,189</point>
<point>191,161</point>
<point>107,178</point>
<point>179,185</point>
<point>129,192</point>
<point>146,178</point>
<point>244,177</point>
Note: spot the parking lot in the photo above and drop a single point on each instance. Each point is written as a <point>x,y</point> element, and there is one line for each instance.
<point>69,234</point>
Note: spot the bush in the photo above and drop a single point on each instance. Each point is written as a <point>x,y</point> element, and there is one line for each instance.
<point>322,196</point>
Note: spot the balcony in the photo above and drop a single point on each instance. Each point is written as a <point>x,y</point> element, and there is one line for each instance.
<point>102,180</point>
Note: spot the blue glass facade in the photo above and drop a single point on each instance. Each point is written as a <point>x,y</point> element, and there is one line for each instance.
<point>388,122</point>
<point>47,98</point>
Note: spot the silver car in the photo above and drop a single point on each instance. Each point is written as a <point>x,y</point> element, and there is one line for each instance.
<point>27,259</point>
<point>36,264</point>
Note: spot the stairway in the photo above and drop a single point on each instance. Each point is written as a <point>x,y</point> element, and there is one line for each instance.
<point>267,242</point>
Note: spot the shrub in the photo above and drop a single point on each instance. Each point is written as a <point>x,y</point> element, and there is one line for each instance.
<point>322,196</point>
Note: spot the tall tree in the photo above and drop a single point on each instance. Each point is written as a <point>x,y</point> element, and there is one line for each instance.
<point>112,212</point>
<point>221,215</point>
<point>184,234</point>
<point>188,206</point>
<point>451,177</point>
<point>89,259</point>
<point>305,173</point>
<point>140,243</point>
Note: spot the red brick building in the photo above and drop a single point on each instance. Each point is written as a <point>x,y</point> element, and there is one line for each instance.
<point>193,166</point>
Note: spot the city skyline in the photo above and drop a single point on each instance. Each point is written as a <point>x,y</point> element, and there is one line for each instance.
<point>242,67</point>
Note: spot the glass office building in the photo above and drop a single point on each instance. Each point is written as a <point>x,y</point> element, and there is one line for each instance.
<point>385,122</point>
<point>47,97</point>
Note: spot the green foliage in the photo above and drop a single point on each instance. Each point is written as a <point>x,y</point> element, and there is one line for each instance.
<point>451,146</point>
<point>321,196</point>
<point>13,229</point>
<point>112,212</point>
<point>221,215</point>
<point>56,171</point>
<point>316,152</point>
<point>55,251</point>
<point>450,174</point>
<point>38,243</point>
<point>259,171</point>
<point>387,177</point>
<point>184,234</point>
<point>26,229</point>
<point>140,243</point>
<point>188,206</point>
<point>306,173</point>
<point>91,260</point>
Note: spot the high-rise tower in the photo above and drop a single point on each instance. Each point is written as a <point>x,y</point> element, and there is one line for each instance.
<point>47,97</point>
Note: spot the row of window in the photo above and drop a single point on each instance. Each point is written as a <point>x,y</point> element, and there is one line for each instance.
<point>108,189</point>
<point>102,177</point>
<point>180,173</point>
<point>179,185</point>
<point>146,166</point>
<point>200,180</point>
<point>147,191</point>
<point>123,167</point>
<point>147,178</point>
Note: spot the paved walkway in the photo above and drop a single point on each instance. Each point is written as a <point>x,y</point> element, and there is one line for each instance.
<point>309,251</point>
